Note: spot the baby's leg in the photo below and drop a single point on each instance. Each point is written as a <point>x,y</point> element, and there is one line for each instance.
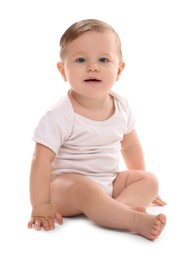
<point>73,194</point>
<point>135,188</point>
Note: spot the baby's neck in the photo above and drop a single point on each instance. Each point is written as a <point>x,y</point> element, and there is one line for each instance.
<point>98,109</point>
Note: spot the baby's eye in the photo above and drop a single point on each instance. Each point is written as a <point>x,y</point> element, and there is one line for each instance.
<point>80,60</point>
<point>103,59</point>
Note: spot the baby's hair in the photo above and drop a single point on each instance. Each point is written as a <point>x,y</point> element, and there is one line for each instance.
<point>80,27</point>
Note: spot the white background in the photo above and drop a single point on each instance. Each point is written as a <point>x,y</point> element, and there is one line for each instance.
<point>158,41</point>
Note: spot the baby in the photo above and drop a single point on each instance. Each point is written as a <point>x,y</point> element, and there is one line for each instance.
<point>75,166</point>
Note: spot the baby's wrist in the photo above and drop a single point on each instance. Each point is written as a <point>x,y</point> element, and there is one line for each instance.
<point>41,209</point>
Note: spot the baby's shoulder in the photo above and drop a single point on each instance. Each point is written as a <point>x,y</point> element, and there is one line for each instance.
<point>61,114</point>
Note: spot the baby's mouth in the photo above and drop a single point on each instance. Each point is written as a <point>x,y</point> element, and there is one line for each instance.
<point>92,80</point>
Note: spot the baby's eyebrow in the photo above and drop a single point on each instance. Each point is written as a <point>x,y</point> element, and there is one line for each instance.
<point>84,53</point>
<point>105,54</point>
<point>79,54</point>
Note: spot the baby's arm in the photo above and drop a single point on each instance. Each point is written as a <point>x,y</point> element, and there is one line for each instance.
<point>132,152</point>
<point>134,158</point>
<point>43,214</point>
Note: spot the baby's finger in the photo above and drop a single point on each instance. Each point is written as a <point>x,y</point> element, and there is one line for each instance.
<point>159,202</point>
<point>38,224</point>
<point>31,223</point>
<point>59,218</point>
<point>162,203</point>
<point>42,222</point>
<point>50,224</point>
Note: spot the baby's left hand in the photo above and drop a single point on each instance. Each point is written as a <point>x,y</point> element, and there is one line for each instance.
<point>158,201</point>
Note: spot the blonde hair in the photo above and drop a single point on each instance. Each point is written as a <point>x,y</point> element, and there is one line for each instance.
<point>80,27</point>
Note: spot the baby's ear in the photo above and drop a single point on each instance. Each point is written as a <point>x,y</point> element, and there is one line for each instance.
<point>60,67</point>
<point>120,69</point>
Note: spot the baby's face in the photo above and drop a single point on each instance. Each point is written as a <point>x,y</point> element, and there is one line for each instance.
<point>92,63</point>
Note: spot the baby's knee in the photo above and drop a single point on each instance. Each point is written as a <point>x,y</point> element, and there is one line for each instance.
<point>152,181</point>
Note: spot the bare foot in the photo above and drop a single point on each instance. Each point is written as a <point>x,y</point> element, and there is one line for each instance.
<point>148,225</point>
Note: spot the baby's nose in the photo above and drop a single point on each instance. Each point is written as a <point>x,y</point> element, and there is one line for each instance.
<point>92,67</point>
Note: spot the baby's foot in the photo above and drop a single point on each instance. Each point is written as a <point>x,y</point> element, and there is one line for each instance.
<point>149,226</point>
<point>157,227</point>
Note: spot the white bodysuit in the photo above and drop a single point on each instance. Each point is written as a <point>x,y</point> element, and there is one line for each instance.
<point>84,146</point>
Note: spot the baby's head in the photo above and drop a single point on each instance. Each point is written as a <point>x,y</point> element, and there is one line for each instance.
<point>78,28</point>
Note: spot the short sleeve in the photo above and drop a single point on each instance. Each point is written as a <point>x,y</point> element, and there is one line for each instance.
<point>55,126</point>
<point>49,133</point>
<point>131,121</point>
<point>126,112</point>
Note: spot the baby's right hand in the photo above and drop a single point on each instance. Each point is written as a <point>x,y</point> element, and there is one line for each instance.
<point>44,216</point>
